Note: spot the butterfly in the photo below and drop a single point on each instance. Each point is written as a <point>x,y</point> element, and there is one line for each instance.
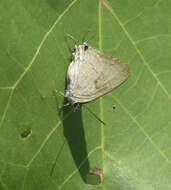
<point>92,74</point>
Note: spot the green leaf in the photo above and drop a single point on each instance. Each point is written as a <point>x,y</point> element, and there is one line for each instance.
<point>58,151</point>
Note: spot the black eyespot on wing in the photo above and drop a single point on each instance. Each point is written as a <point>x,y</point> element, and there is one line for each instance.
<point>85,47</point>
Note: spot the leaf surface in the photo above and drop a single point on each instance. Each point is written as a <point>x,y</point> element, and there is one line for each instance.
<point>58,151</point>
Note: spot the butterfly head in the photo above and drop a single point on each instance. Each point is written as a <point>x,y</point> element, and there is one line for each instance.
<point>80,49</point>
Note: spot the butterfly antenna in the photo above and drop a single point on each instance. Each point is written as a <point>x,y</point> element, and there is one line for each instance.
<point>71,37</point>
<point>95,115</point>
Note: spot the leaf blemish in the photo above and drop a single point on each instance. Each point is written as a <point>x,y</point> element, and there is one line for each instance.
<point>113,107</point>
<point>26,134</point>
<point>98,172</point>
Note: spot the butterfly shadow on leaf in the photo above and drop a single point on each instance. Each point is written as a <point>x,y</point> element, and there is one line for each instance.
<point>75,137</point>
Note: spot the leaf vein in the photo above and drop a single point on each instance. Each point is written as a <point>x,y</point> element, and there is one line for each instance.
<point>42,42</point>
<point>6,108</point>
<point>127,171</point>
<point>76,170</point>
<point>163,155</point>
<point>138,50</point>
<point>101,99</point>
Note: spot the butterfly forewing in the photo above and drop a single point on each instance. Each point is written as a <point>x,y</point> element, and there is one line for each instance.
<point>96,75</point>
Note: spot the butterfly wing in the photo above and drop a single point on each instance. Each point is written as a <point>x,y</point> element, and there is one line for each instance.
<point>95,75</point>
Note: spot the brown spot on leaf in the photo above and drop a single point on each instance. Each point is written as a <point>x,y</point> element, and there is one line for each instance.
<point>99,172</point>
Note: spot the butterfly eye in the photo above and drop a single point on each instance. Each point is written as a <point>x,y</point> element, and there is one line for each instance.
<point>85,47</point>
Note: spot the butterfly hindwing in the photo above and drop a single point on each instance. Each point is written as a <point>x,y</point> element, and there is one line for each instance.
<point>94,74</point>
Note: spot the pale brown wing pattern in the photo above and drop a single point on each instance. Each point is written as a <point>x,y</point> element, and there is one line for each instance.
<point>99,75</point>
